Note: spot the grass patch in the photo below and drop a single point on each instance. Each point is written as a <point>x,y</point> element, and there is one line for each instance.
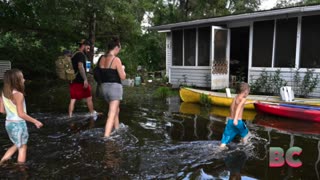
<point>163,92</point>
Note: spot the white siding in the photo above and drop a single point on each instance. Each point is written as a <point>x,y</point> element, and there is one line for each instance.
<point>191,76</point>
<point>168,53</point>
<point>286,74</point>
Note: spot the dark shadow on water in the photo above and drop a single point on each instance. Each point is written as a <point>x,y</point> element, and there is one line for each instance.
<point>17,171</point>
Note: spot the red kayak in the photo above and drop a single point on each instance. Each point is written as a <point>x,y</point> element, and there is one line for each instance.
<point>309,113</point>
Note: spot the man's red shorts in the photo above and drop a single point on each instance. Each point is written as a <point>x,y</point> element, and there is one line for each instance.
<point>77,91</point>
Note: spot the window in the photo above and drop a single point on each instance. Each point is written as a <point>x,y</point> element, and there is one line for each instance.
<point>185,41</point>
<point>262,43</point>
<point>177,48</point>
<point>310,38</point>
<point>204,35</point>
<point>286,36</point>
<point>189,47</point>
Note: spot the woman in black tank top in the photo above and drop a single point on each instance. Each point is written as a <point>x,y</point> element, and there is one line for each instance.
<point>109,75</point>
<point>112,72</point>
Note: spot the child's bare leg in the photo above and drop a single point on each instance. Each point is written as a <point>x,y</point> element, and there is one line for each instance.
<point>22,156</point>
<point>9,153</point>
<point>244,140</point>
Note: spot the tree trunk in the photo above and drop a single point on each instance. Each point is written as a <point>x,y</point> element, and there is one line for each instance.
<point>92,34</point>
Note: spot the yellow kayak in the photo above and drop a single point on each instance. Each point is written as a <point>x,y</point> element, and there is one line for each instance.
<point>248,114</point>
<point>220,99</point>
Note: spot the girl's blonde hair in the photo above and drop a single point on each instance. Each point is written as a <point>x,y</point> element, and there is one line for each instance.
<point>12,80</point>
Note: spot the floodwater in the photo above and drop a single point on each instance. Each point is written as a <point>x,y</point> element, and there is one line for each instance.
<point>158,139</point>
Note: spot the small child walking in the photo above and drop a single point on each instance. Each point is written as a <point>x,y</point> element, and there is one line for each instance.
<point>235,125</point>
<point>13,104</point>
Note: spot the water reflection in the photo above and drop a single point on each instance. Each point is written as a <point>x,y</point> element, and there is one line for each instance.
<point>82,124</point>
<point>112,157</point>
<point>317,163</point>
<point>215,111</point>
<point>281,132</point>
<point>286,125</point>
<point>17,171</point>
<point>204,122</point>
<point>235,162</point>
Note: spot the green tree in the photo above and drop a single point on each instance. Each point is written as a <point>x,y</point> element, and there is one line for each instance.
<point>288,3</point>
<point>311,2</point>
<point>243,6</point>
<point>33,33</point>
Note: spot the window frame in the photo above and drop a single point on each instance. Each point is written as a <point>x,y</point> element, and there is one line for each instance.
<point>196,48</point>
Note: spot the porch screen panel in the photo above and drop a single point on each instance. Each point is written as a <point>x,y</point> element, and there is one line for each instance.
<point>190,47</point>
<point>220,47</point>
<point>262,43</point>
<point>177,47</point>
<point>310,42</point>
<point>286,38</point>
<point>204,36</point>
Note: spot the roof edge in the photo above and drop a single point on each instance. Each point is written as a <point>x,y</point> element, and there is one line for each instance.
<point>257,14</point>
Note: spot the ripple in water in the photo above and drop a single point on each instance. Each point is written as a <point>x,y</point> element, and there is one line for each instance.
<point>121,135</point>
<point>160,160</point>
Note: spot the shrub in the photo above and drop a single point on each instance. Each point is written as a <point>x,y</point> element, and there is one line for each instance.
<point>205,100</point>
<point>162,92</point>
<point>268,83</point>
<point>277,82</point>
<point>303,87</point>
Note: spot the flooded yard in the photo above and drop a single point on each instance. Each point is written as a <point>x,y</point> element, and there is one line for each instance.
<point>158,139</point>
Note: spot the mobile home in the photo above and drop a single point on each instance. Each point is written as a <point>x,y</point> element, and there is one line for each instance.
<point>216,51</point>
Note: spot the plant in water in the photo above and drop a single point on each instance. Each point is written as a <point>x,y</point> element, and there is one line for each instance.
<point>268,83</point>
<point>277,82</point>
<point>241,76</point>
<point>296,82</point>
<point>164,79</point>
<point>260,84</point>
<point>208,78</point>
<point>303,87</point>
<point>184,81</point>
<point>205,100</point>
<point>162,92</point>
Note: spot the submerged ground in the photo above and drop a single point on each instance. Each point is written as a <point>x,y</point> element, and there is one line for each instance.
<point>159,139</point>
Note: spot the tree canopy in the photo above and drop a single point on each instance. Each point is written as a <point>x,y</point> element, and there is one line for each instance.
<point>34,33</point>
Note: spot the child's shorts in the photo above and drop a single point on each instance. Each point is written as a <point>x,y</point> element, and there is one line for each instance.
<point>77,91</point>
<point>17,132</point>
<point>231,131</point>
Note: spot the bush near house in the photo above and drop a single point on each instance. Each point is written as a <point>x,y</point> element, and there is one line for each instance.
<point>303,87</point>
<point>268,83</point>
